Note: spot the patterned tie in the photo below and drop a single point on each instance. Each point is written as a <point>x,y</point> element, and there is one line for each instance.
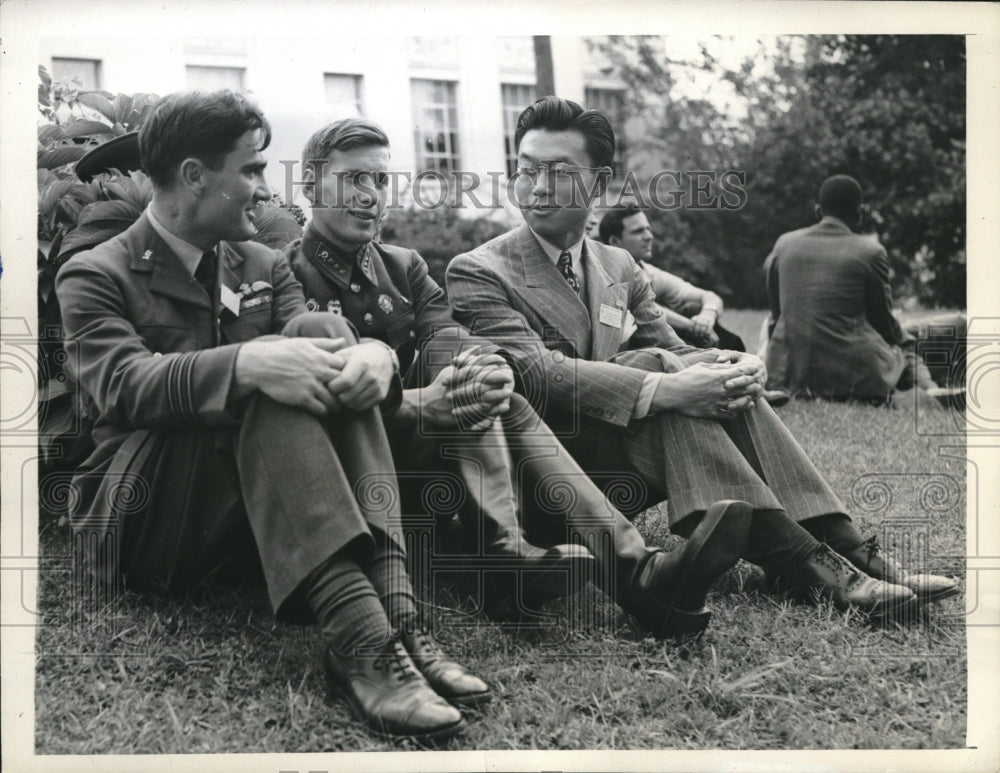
<point>207,272</point>
<point>565,266</point>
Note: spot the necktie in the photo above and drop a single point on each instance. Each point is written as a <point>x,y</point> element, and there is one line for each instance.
<point>207,272</point>
<point>565,266</point>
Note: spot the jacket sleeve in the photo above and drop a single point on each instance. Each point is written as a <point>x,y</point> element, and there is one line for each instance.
<point>878,301</point>
<point>129,384</point>
<point>435,324</point>
<point>549,378</point>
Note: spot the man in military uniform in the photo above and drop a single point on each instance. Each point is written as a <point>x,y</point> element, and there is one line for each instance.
<point>245,448</point>
<point>458,413</point>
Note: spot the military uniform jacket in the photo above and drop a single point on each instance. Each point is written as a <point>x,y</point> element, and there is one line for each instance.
<point>146,343</point>
<point>403,306</point>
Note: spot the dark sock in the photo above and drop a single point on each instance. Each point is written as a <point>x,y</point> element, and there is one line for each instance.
<point>346,605</point>
<point>390,580</point>
<point>835,529</point>
<point>776,541</point>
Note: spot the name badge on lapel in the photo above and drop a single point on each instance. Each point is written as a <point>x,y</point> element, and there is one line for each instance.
<point>610,316</point>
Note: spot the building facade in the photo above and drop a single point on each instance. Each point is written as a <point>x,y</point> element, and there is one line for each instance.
<point>448,104</point>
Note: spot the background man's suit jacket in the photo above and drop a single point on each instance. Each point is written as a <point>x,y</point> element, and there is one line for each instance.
<point>834,333</point>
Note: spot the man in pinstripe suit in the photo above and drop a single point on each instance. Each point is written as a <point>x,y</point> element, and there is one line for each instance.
<point>601,365</point>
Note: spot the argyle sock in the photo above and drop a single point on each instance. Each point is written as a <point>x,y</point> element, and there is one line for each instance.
<point>387,573</point>
<point>346,605</point>
<point>835,529</point>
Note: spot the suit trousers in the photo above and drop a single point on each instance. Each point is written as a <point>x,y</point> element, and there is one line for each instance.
<point>694,462</point>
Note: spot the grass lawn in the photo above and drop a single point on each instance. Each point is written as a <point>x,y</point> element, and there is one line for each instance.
<point>213,673</point>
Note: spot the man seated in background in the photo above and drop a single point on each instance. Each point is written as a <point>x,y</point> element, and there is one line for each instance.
<point>460,417</point>
<point>692,312</point>
<point>833,334</point>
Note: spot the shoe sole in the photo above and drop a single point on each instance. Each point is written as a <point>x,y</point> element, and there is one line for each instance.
<point>378,729</point>
<point>721,546</point>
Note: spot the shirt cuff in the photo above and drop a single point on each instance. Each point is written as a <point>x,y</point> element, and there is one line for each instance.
<point>645,399</point>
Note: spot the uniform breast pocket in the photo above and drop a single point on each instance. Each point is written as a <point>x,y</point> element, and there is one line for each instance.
<point>251,323</point>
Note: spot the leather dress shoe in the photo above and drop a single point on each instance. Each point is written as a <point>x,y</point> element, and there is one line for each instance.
<point>831,576</point>
<point>451,681</point>
<point>668,596</point>
<point>871,560</point>
<point>389,694</point>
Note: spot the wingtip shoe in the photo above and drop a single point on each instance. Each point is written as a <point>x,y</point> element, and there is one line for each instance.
<point>828,574</point>
<point>449,679</point>
<point>388,693</point>
<point>872,560</point>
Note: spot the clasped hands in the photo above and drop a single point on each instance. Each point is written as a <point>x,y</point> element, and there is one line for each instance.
<point>470,393</point>
<point>713,390</point>
<point>321,375</point>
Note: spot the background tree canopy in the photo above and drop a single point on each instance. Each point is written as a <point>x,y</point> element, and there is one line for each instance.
<point>886,109</point>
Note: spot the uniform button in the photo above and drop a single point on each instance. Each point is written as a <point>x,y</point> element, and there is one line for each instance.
<point>558,357</point>
<point>368,319</point>
<point>413,334</point>
<point>608,413</point>
<point>355,287</point>
<point>340,269</point>
<point>324,255</point>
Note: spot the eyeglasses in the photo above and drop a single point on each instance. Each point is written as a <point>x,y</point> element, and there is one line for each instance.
<point>560,171</point>
<point>364,179</point>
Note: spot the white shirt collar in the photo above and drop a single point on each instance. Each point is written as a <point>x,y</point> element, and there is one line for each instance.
<point>553,252</point>
<point>189,255</point>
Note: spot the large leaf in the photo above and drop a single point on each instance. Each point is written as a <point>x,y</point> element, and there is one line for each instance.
<point>86,128</point>
<point>99,222</point>
<point>130,191</point>
<point>57,157</point>
<point>50,133</point>
<point>52,194</point>
<point>100,103</point>
<point>276,227</point>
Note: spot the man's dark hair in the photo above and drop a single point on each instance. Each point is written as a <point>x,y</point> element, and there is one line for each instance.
<point>555,114</point>
<point>841,197</point>
<point>345,134</point>
<point>613,222</point>
<point>196,124</point>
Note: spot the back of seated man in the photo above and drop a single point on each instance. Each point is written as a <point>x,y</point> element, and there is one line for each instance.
<point>692,312</point>
<point>833,332</point>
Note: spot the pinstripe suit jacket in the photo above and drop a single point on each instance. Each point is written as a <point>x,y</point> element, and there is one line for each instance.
<point>569,355</point>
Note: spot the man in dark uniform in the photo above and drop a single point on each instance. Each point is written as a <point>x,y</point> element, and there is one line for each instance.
<point>227,444</point>
<point>459,414</point>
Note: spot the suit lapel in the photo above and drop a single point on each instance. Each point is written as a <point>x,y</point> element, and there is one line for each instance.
<point>603,291</point>
<point>550,296</point>
<point>149,254</point>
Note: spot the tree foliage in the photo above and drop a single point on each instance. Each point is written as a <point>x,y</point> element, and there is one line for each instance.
<point>886,109</point>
